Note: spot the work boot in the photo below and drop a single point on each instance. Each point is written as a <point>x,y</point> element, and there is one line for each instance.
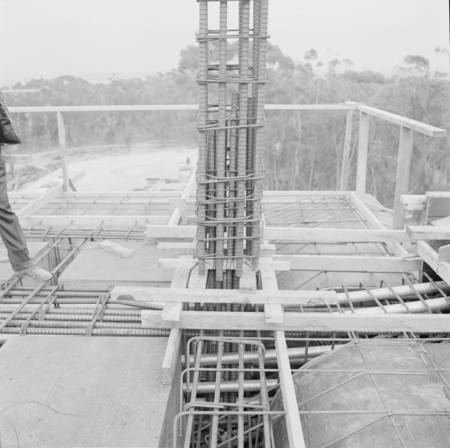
<point>35,273</point>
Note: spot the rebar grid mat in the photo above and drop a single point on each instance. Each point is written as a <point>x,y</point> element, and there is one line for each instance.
<point>132,233</point>
<point>313,211</point>
<point>231,139</point>
<point>224,416</point>
<point>225,377</point>
<point>380,377</point>
<point>109,205</point>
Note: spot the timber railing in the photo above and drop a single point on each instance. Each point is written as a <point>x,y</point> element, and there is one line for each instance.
<point>407,129</point>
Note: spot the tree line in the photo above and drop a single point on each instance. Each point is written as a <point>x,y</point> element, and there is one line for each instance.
<point>303,150</point>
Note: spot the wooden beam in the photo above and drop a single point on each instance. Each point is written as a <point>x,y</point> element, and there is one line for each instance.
<point>190,187</point>
<point>346,153</point>
<point>322,322</point>
<point>363,148</point>
<point>32,207</point>
<point>293,422</point>
<point>343,263</point>
<point>174,217</point>
<point>177,263</point>
<point>168,107</point>
<point>95,220</point>
<point>63,148</point>
<point>444,254</point>
<point>428,254</point>
<point>169,365</point>
<point>179,295</point>
<point>414,201</point>
<point>375,223</point>
<point>247,282</point>
<point>273,312</point>
<point>315,235</point>
<point>403,171</point>
<point>428,232</point>
<point>413,125</point>
<point>180,248</point>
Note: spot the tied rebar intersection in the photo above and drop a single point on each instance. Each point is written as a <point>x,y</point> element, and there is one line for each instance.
<point>231,137</point>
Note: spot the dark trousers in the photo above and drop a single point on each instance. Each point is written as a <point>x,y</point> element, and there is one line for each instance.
<point>10,230</point>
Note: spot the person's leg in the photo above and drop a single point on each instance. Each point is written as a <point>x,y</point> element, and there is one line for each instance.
<point>10,230</point>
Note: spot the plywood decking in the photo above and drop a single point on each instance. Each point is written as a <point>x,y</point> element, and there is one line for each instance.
<point>96,267</point>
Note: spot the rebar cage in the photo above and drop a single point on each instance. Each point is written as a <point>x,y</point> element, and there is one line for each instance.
<point>231,139</point>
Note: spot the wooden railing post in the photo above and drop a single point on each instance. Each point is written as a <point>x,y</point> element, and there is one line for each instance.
<point>363,147</point>
<point>62,145</point>
<point>346,155</point>
<point>403,171</point>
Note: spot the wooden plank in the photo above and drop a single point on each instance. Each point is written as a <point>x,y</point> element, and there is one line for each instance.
<point>428,254</point>
<point>414,125</point>
<point>315,235</point>
<point>293,423</point>
<point>428,232</point>
<point>190,187</point>
<point>298,297</point>
<point>79,391</point>
<point>323,322</point>
<point>168,107</point>
<point>172,313</point>
<point>63,149</point>
<point>444,254</point>
<point>180,248</point>
<point>403,172</point>
<point>414,201</point>
<point>444,271</point>
<point>279,194</point>
<point>273,312</point>
<point>363,148</point>
<point>177,263</point>
<point>375,223</point>
<point>345,170</point>
<point>29,209</point>
<point>342,263</point>
<point>96,220</point>
<point>115,248</point>
<point>247,282</point>
<point>175,217</point>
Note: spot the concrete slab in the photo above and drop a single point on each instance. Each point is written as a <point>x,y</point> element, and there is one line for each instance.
<point>82,392</point>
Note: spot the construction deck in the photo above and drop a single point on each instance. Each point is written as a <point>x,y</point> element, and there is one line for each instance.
<point>335,268</point>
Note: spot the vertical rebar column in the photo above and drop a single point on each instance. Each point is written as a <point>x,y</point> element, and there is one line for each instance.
<point>221,139</point>
<point>244,12</point>
<point>260,118</point>
<point>232,171</point>
<point>230,167</point>
<point>202,143</point>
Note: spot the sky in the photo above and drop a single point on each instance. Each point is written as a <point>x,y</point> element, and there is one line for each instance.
<point>48,38</point>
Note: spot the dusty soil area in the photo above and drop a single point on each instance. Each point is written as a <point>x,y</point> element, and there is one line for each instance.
<point>110,168</point>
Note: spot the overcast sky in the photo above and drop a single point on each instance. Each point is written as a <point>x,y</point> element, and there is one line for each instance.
<point>58,37</point>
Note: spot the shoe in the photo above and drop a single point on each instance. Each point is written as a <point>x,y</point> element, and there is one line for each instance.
<point>35,273</point>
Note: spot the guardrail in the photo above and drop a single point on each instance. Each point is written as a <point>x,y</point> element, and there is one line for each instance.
<point>407,129</point>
